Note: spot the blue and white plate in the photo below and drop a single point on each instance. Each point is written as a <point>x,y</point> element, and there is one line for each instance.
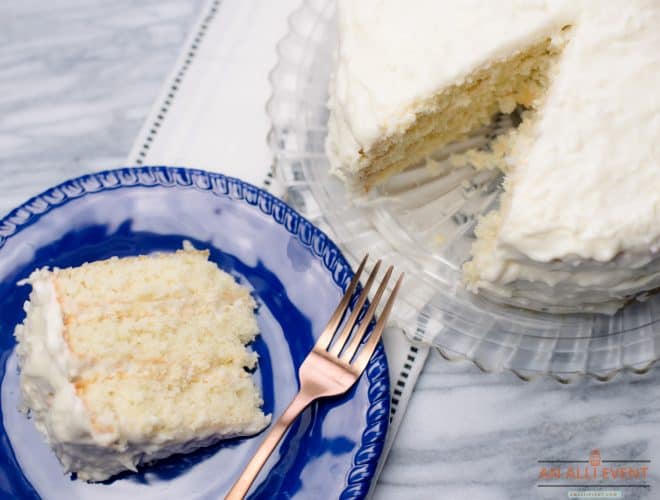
<point>297,275</point>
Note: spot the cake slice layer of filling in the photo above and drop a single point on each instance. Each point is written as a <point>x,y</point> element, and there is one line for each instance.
<point>129,360</point>
<point>451,114</point>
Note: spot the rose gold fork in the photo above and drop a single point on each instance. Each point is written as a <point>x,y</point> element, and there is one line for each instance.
<point>331,368</point>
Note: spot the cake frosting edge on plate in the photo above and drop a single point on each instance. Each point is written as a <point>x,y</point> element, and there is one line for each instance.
<point>578,228</point>
<point>146,389</point>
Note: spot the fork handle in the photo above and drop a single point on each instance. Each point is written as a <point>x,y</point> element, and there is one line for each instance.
<point>274,436</point>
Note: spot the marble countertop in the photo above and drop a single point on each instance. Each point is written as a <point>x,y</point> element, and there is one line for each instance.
<point>77,79</point>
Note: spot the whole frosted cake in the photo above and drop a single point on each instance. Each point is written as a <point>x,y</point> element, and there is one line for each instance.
<point>125,361</point>
<point>578,227</point>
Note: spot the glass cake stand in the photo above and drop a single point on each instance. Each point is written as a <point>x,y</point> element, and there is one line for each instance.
<point>422,221</point>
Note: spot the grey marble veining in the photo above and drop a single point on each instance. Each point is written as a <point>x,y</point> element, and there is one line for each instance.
<point>77,79</point>
<point>473,435</point>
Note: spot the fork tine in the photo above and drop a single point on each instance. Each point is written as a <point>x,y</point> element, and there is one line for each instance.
<point>364,355</point>
<point>339,343</point>
<point>335,319</point>
<point>348,354</point>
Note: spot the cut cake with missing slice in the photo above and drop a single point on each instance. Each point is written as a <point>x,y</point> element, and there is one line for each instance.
<point>578,226</point>
<point>125,361</point>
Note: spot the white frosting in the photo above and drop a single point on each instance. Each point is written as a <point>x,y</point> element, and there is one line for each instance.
<point>47,368</point>
<point>392,54</point>
<point>581,227</point>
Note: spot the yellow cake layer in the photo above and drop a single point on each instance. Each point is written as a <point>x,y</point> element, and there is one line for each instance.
<point>455,111</point>
<point>129,360</point>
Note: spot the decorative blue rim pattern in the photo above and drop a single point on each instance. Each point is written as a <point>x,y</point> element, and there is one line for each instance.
<point>365,460</point>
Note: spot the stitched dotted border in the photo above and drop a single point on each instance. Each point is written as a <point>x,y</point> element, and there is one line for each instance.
<point>268,181</point>
<point>174,87</point>
<point>176,83</point>
<point>404,374</point>
<point>400,386</point>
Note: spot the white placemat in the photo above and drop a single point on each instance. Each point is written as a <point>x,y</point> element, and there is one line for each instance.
<point>211,115</point>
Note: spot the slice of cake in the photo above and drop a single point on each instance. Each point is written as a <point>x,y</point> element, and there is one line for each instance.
<point>579,225</point>
<point>125,361</point>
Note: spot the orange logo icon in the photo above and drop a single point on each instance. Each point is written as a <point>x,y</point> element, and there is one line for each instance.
<point>594,458</point>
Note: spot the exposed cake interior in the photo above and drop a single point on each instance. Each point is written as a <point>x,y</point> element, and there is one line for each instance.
<point>521,80</point>
<point>157,355</point>
<point>576,227</point>
<point>455,111</point>
<point>146,356</point>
